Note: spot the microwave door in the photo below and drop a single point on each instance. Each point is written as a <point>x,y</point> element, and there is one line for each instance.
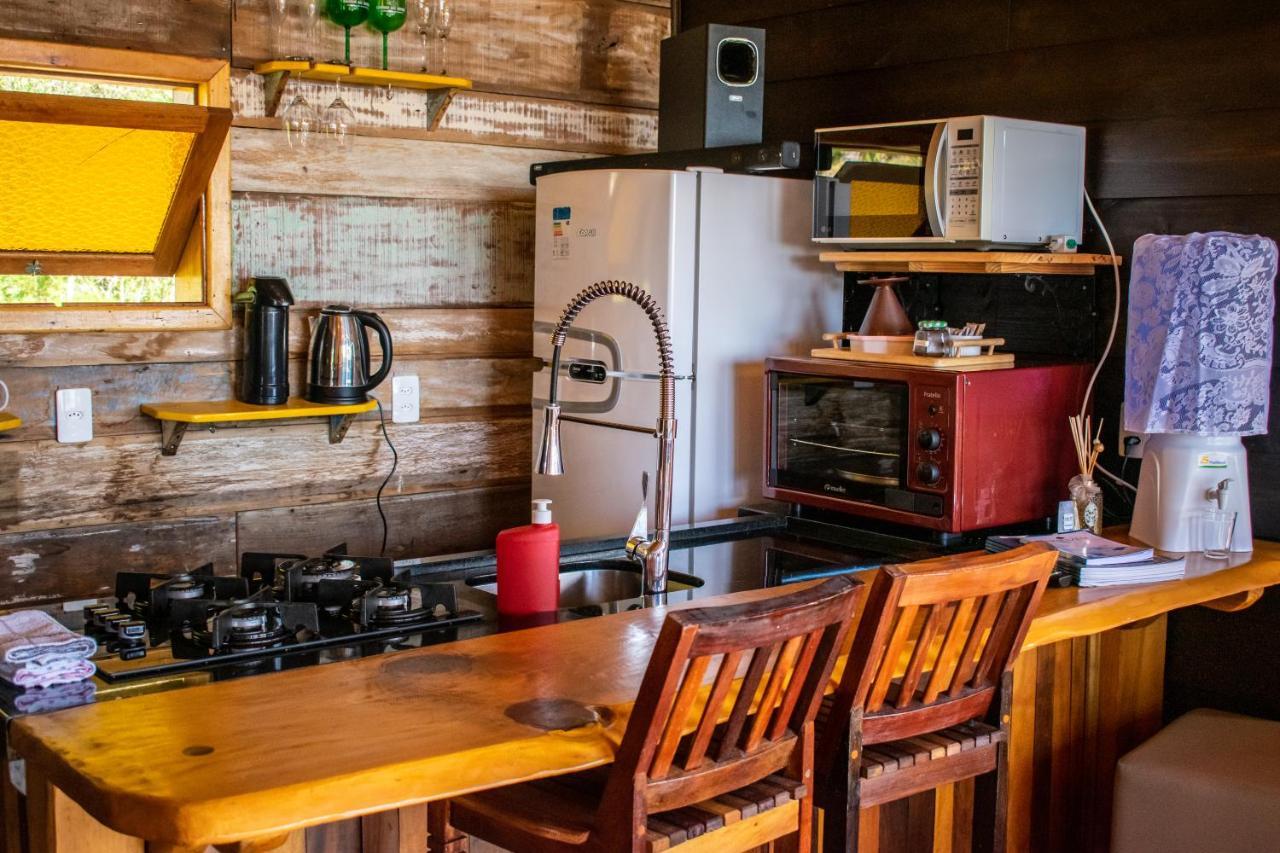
<point>935,181</point>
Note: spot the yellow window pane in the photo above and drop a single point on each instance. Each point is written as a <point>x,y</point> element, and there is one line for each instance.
<point>80,188</point>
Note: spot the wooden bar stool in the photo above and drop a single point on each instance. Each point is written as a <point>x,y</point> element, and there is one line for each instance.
<point>724,766</point>
<point>892,731</point>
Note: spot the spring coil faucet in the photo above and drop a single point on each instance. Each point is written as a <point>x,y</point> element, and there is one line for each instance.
<point>653,551</point>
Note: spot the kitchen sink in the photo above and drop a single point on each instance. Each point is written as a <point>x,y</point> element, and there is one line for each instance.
<point>598,582</point>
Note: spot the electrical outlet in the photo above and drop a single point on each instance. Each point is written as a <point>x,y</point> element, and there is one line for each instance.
<point>404,399</point>
<point>1132,444</point>
<point>75,415</point>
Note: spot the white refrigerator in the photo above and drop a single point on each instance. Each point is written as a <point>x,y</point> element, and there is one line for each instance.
<point>730,260</point>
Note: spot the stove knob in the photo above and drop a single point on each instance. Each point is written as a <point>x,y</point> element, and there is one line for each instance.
<point>929,438</point>
<point>928,473</point>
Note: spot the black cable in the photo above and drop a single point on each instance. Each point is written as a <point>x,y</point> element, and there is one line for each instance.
<point>395,462</point>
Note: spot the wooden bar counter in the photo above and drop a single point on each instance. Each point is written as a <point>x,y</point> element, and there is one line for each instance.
<point>256,759</point>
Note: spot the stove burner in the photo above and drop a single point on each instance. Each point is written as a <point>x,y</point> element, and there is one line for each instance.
<point>404,603</point>
<point>184,587</point>
<point>327,569</point>
<point>258,625</point>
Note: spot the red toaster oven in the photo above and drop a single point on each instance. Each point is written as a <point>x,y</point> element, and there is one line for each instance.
<point>947,451</point>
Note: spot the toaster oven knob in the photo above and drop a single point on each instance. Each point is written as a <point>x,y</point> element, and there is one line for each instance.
<point>929,438</point>
<point>928,473</point>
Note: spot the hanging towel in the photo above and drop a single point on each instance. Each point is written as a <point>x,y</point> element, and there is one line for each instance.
<point>28,635</point>
<point>1200,334</point>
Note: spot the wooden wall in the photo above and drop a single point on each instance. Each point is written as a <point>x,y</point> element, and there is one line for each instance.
<point>1181,100</point>
<point>434,231</point>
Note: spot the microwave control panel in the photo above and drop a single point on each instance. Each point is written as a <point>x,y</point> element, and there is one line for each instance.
<point>933,431</point>
<point>964,178</point>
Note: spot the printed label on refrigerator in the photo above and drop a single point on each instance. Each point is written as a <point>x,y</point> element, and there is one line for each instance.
<point>560,217</point>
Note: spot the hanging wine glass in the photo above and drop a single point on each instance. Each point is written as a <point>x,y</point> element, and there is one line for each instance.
<point>278,17</point>
<point>347,14</point>
<point>387,16</point>
<point>443,24</point>
<point>425,23</point>
<point>338,121</point>
<point>300,122</point>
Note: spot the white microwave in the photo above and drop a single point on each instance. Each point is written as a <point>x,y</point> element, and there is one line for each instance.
<point>972,182</point>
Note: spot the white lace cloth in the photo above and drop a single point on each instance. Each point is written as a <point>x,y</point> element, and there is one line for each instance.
<point>1200,334</point>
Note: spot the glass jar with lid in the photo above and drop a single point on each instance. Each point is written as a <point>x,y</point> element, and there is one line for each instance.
<point>933,339</point>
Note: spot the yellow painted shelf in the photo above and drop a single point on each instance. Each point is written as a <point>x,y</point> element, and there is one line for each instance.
<point>277,72</point>
<point>8,421</point>
<point>176,417</point>
<point>1025,263</point>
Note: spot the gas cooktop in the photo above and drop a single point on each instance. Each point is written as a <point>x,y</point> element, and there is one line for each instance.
<point>280,608</point>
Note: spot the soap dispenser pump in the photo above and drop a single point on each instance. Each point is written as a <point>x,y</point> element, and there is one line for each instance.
<point>529,565</point>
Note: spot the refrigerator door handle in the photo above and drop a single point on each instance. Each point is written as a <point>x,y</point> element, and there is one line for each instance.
<point>615,357</point>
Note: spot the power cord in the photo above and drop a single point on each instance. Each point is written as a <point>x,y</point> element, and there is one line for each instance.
<point>1111,338</point>
<point>395,463</point>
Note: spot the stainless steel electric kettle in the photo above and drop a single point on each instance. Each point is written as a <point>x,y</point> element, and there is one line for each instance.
<point>339,361</point>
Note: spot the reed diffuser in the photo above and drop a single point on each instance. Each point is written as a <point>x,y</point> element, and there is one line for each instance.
<point>1086,494</point>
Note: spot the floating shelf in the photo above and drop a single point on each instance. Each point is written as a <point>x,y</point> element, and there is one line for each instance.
<point>8,421</point>
<point>277,72</point>
<point>176,417</point>
<point>1025,263</point>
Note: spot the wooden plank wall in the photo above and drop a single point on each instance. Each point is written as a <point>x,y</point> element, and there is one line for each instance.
<point>1180,99</point>
<point>433,230</point>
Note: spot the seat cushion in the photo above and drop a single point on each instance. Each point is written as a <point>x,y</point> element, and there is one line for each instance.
<point>563,810</point>
<point>1208,781</point>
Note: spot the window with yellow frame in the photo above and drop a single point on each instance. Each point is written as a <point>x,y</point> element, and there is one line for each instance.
<point>114,190</point>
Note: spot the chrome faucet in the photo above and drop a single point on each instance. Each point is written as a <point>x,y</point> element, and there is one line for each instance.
<point>653,550</point>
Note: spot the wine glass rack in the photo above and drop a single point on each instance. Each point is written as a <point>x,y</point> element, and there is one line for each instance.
<point>439,89</point>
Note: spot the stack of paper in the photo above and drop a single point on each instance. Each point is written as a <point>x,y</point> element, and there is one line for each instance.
<point>1093,560</point>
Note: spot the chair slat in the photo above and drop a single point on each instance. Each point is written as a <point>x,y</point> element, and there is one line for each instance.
<point>1002,634</point>
<point>711,712</point>
<point>742,704</point>
<point>977,632</point>
<point>782,717</point>
<point>924,644</point>
<point>944,668</point>
<point>893,651</point>
<point>671,735</point>
<point>772,691</point>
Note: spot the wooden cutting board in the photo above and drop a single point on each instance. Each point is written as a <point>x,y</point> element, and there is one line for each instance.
<point>961,364</point>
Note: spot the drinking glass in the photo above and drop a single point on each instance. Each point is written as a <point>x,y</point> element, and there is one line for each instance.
<point>4,393</point>
<point>347,14</point>
<point>300,121</point>
<point>425,23</point>
<point>283,41</point>
<point>338,121</point>
<point>387,16</point>
<point>1216,529</point>
<point>443,19</point>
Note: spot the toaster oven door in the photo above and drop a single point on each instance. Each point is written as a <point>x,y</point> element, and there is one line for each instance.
<point>840,437</point>
<point>881,185</point>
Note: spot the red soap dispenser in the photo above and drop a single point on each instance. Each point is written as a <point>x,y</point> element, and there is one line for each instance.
<point>529,565</point>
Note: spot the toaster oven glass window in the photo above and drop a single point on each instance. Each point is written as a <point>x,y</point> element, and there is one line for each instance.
<point>870,183</point>
<point>841,437</point>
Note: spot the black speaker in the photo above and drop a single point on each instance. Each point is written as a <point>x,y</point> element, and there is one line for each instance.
<point>711,88</point>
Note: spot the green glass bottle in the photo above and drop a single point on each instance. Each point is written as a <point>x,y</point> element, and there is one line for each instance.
<point>347,14</point>
<point>387,16</point>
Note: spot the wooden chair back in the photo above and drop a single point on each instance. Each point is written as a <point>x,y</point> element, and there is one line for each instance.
<point>958,621</point>
<point>686,741</point>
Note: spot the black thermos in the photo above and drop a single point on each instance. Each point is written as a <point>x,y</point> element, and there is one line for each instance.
<point>265,376</point>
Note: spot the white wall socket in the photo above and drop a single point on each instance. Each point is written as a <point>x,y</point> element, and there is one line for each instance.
<point>1132,444</point>
<point>404,399</point>
<point>75,415</point>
